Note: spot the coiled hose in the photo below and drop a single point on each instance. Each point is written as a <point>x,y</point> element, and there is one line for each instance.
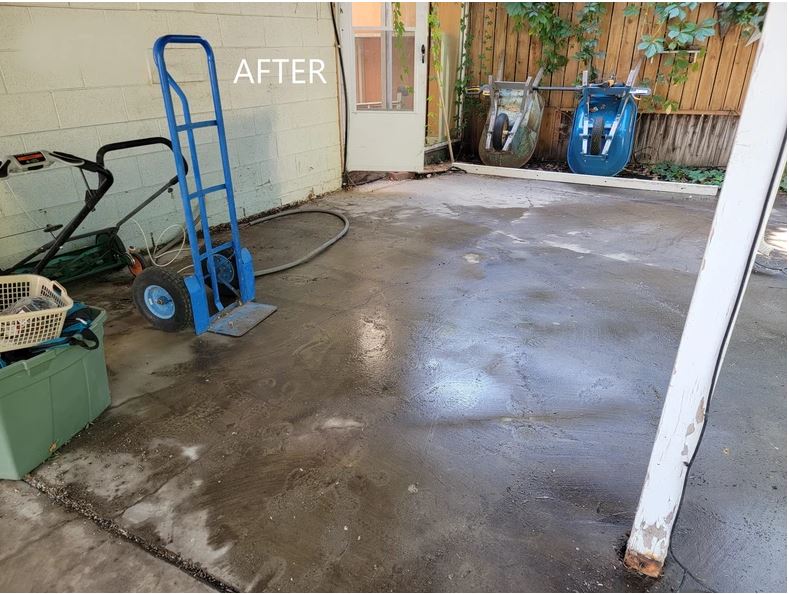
<point>313,253</point>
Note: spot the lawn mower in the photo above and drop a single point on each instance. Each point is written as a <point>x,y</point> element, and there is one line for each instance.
<point>107,251</point>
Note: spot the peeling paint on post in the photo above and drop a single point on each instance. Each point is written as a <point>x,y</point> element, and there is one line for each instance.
<point>745,202</point>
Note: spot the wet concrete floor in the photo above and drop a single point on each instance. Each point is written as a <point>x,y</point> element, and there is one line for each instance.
<point>461,395</point>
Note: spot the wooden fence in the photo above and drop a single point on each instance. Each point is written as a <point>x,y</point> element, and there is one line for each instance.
<point>699,132</point>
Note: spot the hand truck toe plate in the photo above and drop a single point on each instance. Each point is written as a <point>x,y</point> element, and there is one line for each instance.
<point>239,319</point>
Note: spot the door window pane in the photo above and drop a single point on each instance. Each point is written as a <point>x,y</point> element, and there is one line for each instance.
<point>403,73</point>
<point>368,14</point>
<point>408,14</point>
<point>370,65</point>
<point>385,55</point>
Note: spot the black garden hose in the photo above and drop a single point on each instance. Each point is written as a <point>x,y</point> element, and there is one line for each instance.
<point>313,253</point>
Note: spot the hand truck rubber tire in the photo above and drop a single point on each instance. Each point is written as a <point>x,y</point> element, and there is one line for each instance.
<point>501,129</point>
<point>162,298</point>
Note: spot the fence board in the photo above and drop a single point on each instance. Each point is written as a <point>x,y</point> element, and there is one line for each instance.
<point>500,40</point>
<point>573,66</point>
<point>708,102</point>
<point>476,30</point>
<point>605,26</point>
<point>488,41</point>
<point>615,34</point>
<point>747,80</point>
<point>725,66</point>
<point>738,76</point>
<point>522,60</point>
<point>625,62</point>
<point>511,51</point>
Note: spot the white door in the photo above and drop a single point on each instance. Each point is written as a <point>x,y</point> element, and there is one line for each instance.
<point>384,48</point>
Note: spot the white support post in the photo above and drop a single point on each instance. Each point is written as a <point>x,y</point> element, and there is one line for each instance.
<point>755,167</point>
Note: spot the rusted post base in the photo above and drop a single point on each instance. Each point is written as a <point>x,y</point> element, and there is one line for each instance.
<point>643,564</point>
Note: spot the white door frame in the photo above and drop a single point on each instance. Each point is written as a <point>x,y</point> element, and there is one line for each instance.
<point>746,199</point>
<point>380,140</point>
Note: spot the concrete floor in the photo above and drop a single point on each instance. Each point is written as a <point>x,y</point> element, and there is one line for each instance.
<point>461,395</point>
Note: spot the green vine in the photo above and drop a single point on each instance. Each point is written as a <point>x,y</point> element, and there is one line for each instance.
<point>674,31</point>
<point>434,29</point>
<point>398,28</point>
<point>749,16</point>
<point>587,32</point>
<point>673,37</point>
<point>546,25</point>
<point>555,32</point>
<point>471,103</point>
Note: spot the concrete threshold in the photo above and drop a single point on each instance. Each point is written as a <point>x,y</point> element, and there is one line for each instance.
<point>61,498</point>
<point>698,190</point>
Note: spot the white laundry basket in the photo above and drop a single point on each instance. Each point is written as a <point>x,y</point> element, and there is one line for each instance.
<point>22,330</point>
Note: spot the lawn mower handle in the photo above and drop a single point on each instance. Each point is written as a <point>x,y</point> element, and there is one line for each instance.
<point>128,144</point>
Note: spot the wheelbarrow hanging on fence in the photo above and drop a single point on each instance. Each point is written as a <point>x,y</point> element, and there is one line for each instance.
<point>604,126</point>
<point>513,123</point>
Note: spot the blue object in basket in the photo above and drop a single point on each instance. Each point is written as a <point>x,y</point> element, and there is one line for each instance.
<point>604,127</point>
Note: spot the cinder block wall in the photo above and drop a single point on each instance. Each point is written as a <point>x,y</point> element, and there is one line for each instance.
<point>80,75</point>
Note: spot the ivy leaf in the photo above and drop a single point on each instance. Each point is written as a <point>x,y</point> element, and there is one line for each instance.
<point>675,12</point>
<point>651,46</point>
<point>631,10</point>
<point>703,32</point>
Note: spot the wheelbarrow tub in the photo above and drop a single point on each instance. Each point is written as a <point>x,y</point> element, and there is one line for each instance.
<point>603,103</point>
<point>524,141</point>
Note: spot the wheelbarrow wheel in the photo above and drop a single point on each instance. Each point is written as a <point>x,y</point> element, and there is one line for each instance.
<point>501,129</point>
<point>596,141</point>
<point>161,297</point>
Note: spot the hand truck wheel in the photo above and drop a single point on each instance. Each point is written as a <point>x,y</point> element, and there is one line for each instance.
<point>161,297</point>
<point>226,274</point>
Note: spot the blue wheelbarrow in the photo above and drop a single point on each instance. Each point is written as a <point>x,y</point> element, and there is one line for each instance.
<point>604,126</point>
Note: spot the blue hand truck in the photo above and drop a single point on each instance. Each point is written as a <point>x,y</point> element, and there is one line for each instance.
<point>167,300</point>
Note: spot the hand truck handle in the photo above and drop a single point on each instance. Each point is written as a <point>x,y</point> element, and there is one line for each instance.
<point>161,43</point>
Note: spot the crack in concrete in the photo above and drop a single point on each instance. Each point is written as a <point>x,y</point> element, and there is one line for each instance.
<point>61,497</point>
<point>24,548</point>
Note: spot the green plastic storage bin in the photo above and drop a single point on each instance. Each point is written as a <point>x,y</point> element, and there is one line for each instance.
<point>47,399</point>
